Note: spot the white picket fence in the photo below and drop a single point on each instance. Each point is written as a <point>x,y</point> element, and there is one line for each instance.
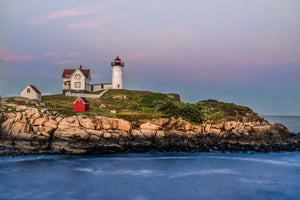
<point>94,96</point>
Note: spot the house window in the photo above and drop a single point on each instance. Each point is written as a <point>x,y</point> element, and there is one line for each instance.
<point>77,76</point>
<point>77,85</point>
<point>28,90</point>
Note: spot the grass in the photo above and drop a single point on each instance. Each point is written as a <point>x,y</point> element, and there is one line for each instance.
<point>113,100</point>
<point>220,111</point>
<point>133,105</point>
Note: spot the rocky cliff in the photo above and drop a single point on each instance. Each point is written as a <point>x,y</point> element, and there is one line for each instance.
<point>28,129</point>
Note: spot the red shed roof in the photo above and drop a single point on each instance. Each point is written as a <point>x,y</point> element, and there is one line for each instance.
<point>35,89</point>
<point>68,72</point>
<point>84,100</point>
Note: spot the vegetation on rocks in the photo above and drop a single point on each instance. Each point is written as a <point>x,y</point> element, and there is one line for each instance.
<point>134,105</point>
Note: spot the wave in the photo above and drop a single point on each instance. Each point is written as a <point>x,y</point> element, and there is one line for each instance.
<point>254,181</point>
<point>28,158</point>
<point>205,172</point>
<point>141,158</point>
<point>141,172</point>
<point>288,162</point>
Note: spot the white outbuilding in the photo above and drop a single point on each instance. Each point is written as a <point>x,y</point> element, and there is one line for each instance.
<point>31,92</point>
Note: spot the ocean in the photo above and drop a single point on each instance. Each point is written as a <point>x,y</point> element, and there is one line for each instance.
<point>145,176</point>
<point>291,122</point>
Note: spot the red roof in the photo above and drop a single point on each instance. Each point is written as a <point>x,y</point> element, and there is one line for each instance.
<point>35,89</point>
<point>84,100</point>
<point>68,72</point>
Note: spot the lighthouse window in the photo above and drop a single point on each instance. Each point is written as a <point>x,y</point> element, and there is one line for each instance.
<point>119,86</point>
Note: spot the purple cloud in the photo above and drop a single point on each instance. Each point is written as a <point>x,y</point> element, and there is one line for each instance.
<point>94,24</point>
<point>17,59</point>
<point>6,56</point>
<point>73,12</point>
<point>69,61</point>
<point>59,55</point>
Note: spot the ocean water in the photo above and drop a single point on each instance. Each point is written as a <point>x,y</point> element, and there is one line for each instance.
<point>144,176</point>
<point>291,122</point>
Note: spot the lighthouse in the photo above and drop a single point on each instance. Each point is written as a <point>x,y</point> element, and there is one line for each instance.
<point>117,73</point>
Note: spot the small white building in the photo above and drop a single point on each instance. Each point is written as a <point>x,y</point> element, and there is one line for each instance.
<point>31,92</point>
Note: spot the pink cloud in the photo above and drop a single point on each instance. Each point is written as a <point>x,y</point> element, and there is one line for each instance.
<point>139,55</point>
<point>3,51</point>
<point>94,24</point>
<point>7,56</point>
<point>52,54</point>
<point>291,60</point>
<point>73,12</point>
<point>17,59</point>
<point>59,55</point>
<point>68,61</point>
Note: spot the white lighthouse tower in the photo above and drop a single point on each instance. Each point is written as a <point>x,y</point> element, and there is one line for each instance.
<point>117,74</point>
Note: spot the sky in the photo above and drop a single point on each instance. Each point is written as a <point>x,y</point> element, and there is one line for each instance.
<point>241,51</point>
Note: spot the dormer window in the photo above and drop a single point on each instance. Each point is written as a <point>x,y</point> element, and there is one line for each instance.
<point>77,76</point>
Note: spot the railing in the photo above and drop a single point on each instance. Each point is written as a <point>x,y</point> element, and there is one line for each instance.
<point>119,63</point>
<point>93,96</point>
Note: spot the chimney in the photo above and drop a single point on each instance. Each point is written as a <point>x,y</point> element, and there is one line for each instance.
<point>80,67</point>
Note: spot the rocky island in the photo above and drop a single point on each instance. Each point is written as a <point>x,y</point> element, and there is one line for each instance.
<point>142,122</point>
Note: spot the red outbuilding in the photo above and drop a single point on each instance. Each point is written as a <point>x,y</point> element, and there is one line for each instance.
<point>81,105</point>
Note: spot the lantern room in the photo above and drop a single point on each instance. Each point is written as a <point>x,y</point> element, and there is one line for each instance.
<point>117,62</point>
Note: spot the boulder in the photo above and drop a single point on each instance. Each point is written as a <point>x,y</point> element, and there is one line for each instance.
<point>38,121</point>
<point>20,108</point>
<point>107,135</point>
<point>149,126</point>
<point>160,134</point>
<point>51,124</point>
<point>86,122</point>
<point>18,117</point>
<point>104,122</point>
<point>94,138</point>
<point>16,128</point>
<point>148,132</point>
<point>230,125</point>
<point>68,122</point>
<point>261,129</point>
<point>197,129</point>
<point>160,122</point>
<point>95,132</point>
<point>136,133</point>
<point>124,125</point>
<point>207,128</point>
<point>218,126</point>
<point>215,130</point>
<point>82,134</point>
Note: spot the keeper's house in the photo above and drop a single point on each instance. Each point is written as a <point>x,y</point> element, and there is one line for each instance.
<point>76,80</point>
<point>31,92</point>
